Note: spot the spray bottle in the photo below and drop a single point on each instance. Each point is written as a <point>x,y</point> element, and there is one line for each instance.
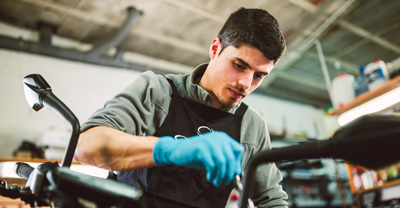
<point>376,73</point>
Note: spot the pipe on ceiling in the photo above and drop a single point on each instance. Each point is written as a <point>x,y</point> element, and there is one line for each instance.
<point>124,30</point>
<point>292,56</point>
<point>44,47</point>
<point>324,68</point>
<point>310,40</point>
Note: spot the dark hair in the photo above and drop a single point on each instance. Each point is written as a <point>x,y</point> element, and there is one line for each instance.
<point>254,27</point>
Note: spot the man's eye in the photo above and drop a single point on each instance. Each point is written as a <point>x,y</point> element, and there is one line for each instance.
<point>238,66</point>
<point>259,76</point>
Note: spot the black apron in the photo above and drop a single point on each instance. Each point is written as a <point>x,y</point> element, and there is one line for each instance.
<point>176,186</point>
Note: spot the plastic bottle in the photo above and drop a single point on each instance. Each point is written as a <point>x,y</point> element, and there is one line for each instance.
<point>393,173</point>
<point>342,90</point>
<point>360,84</point>
<point>369,179</point>
<point>357,181</point>
<point>376,73</point>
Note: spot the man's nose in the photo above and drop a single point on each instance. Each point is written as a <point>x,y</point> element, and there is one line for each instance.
<point>246,80</point>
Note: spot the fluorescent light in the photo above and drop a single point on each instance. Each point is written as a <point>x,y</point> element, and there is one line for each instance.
<point>6,170</point>
<point>375,105</point>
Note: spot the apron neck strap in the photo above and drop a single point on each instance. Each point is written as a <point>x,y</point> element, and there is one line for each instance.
<point>174,89</point>
<point>242,109</point>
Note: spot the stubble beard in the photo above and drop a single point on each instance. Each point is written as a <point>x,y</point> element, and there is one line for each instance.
<point>230,102</point>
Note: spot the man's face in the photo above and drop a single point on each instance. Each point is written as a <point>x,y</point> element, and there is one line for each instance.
<point>234,73</point>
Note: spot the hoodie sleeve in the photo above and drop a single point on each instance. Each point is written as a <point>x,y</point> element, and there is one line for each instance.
<point>139,108</point>
<point>267,191</point>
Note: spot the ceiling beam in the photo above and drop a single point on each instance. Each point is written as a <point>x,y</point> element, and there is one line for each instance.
<point>304,5</point>
<point>295,96</point>
<point>188,46</point>
<point>347,66</point>
<point>300,80</point>
<point>309,41</point>
<point>291,56</point>
<point>103,21</point>
<point>175,42</point>
<point>8,31</point>
<point>368,36</point>
<point>197,10</point>
<point>279,73</point>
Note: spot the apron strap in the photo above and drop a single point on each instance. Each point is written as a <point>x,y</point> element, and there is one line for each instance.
<point>242,109</point>
<point>174,89</point>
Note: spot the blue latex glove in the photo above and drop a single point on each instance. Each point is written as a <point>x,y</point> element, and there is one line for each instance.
<point>216,152</point>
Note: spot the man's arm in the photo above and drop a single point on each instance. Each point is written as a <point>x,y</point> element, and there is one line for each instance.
<point>109,137</point>
<point>139,109</point>
<point>115,150</point>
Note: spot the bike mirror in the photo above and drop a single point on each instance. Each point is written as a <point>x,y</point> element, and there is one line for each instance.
<point>39,96</point>
<point>36,88</point>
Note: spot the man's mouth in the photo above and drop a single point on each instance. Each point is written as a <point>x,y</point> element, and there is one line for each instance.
<point>235,94</point>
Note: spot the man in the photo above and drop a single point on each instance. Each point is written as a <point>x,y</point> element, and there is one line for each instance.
<point>183,138</point>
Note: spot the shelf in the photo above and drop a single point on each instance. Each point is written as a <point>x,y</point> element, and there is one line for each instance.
<point>363,190</point>
<point>388,86</point>
<point>34,160</point>
<point>6,163</point>
<point>8,202</point>
<point>384,185</point>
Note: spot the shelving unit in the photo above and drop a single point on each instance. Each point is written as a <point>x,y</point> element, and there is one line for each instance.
<point>382,193</point>
<point>376,187</point>
<point>388,86</point>
<point>311,183</point>
<point>369,194</point>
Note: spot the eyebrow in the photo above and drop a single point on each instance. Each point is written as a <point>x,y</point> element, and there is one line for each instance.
<point>243,62</point>
<point>248,66</point>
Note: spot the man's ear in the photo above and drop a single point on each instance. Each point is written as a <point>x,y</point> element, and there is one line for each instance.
<point>215,47</point>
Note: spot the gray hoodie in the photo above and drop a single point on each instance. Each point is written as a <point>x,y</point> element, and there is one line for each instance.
<point>142,107</point>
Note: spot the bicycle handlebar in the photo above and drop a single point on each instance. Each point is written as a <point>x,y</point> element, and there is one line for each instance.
<point>70,185</point>
<point>23,170</point>
<point>102,191</point>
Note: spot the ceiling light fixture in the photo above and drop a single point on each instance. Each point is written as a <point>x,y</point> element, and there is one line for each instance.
<point>377,104</point>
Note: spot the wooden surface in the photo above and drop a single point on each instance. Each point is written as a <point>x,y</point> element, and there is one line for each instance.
<point>362,190</point>
<point>12,203</point>
<point>6,202</point>
<point>388,86</point>
<point>37,160</point>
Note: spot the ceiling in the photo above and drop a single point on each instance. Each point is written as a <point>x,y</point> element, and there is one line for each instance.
<point>177,33</point>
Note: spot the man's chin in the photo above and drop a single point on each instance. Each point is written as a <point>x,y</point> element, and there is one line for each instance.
<point>231,104</point>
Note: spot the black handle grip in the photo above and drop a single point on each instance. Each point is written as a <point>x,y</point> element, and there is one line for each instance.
<point>102,191</point>
<point>23,169</point>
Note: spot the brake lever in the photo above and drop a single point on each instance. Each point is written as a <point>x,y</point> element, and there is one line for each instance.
<point>239,188</point>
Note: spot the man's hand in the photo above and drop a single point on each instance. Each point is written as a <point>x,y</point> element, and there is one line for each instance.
<point>216,152</point>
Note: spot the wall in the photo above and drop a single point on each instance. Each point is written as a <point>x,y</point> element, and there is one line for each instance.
<point>297,119</point>
<point>82,87</point>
